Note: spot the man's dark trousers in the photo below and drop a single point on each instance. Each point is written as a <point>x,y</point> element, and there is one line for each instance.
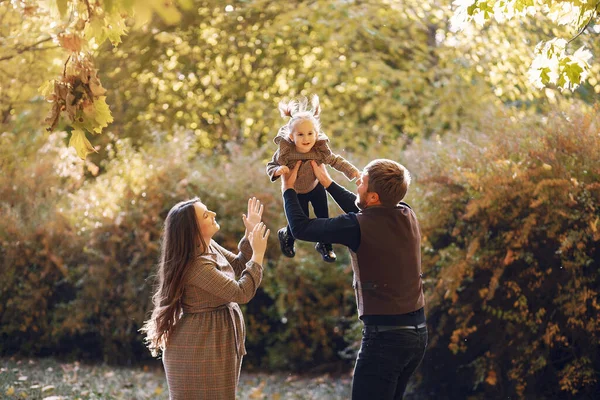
<point>385,362</point>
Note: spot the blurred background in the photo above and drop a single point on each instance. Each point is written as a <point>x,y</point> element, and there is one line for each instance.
<point>506,185</point>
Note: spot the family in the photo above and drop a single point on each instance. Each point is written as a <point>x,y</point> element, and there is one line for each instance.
<point>196,323</point>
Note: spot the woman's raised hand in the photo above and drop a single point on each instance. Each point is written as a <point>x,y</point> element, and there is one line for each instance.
<point>258,240</point>
<point>255,210</point>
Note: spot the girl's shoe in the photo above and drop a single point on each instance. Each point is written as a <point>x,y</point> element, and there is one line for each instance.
<point>286,243</point>
<point>326,251</point>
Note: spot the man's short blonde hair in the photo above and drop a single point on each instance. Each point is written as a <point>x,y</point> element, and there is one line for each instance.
<point>389,179</point>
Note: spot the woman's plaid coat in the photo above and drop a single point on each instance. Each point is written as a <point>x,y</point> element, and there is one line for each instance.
<point>203,355</point>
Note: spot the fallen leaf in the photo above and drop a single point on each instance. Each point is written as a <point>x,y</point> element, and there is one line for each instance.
<point>257,392</point>
<point>47,388</point>
<point>10,391</point>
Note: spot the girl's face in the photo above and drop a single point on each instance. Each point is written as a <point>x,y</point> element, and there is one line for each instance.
<point>303,135</point>
<point>206,221</point>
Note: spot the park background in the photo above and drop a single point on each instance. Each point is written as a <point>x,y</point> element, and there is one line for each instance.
<point>180,101</point>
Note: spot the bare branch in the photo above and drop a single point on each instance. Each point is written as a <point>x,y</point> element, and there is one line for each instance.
<point>594,13</point>
<point>32,47</point>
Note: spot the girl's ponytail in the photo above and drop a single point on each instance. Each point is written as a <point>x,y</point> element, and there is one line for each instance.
<point>287,108</point>
<point>316,106</point>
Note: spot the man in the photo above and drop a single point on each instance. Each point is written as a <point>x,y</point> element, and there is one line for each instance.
<point>383,236</point>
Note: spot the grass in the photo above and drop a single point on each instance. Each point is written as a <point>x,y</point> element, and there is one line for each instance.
<point>50,379</point>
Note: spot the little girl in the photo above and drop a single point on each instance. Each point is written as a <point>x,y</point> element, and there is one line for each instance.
<point>302,139</point>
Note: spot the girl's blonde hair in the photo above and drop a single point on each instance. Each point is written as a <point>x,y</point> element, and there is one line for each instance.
<point>298,110</point>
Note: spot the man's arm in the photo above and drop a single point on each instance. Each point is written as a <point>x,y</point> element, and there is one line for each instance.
<point>344,198</point>
<point>343,229</point>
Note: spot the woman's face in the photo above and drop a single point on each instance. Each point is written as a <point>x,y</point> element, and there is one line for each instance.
<point>206,221</point>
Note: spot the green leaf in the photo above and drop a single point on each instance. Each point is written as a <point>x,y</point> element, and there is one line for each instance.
<point>544,74</point>
<point>574,71</point>
<point>81,144</point>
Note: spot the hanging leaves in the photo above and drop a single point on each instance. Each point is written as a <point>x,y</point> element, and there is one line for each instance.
<point>80,142</point>
<point>552,65</point>
<point>80,96</point>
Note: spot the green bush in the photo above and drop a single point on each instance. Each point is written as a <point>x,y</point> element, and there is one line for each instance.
<point>105,232</point>
<point>34,238</point>
<point>511,256</point>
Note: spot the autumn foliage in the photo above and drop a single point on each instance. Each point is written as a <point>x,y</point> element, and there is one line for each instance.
<point>510,255</point>
<point>512,258</point>
<point>79,254</point>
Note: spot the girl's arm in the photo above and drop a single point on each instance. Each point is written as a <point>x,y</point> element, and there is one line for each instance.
<point>273,166</point>
<point>342,165</point>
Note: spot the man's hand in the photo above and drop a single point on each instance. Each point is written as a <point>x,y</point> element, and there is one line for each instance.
<point>288,180</point>
<point>321,173</point>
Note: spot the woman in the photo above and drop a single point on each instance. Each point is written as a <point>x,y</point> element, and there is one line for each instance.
<point>197,323</point>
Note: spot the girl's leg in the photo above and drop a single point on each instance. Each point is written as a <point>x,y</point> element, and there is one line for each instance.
<point>286,239</point>
<point>318,199</point>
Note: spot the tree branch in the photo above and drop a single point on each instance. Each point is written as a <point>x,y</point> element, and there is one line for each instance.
<point>594,13</point>
<point>89,9</point>
<point>32,47</point>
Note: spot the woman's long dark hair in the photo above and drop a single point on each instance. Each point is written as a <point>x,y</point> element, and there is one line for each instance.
<point>180,240</point>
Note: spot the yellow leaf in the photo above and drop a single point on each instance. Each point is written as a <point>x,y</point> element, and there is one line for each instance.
<point>257,392</point>
<point>168,12</point>
<point>158,390</point>
<point>47,88</point>
<point>594,225</point>
<point>62,6</point>
<point>81,144</point>
<point>116,28</point>
<point>491,378</point>
<point>96,30</point>
<point>186,4</point>
<point>103,117</point>
<point>10,391</point>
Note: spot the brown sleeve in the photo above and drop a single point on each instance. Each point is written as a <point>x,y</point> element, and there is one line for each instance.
<point>205,275</point>
<point>273,165</point>
<point>342,165</point>
<point>238,261</point>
